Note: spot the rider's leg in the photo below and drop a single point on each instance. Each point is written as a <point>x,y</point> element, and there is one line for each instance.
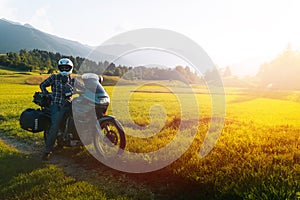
<point>56,117</point>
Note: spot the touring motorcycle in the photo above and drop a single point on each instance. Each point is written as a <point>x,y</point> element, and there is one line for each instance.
<point>86,124</point>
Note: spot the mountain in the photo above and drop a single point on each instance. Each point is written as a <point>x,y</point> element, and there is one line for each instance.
<point>15,36</point>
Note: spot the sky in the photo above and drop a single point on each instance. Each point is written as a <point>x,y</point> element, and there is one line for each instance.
<point>241,34</point>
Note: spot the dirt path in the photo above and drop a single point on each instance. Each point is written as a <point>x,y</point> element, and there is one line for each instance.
<point>99,175</point>
<point>22,147</point>
<point>69,166</point>
<point>161,184</point>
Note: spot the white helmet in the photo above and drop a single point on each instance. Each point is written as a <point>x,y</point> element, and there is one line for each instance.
<point>65,66</point>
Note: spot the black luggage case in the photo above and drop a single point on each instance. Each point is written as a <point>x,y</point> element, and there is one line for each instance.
<point>34,120</point>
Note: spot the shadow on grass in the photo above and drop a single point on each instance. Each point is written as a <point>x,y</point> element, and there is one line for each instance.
<point>26,177</point>
<point>163,184</point>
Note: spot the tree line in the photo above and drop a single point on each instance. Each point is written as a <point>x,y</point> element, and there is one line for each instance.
<point>46,62</point>
<point>282,72</point>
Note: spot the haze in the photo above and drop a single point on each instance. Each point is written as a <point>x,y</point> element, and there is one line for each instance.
<point>239,34</point>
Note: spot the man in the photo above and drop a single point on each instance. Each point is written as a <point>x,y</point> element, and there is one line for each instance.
<point>62,89</point>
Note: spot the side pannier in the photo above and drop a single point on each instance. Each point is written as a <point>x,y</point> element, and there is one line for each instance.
<point>34,120</point>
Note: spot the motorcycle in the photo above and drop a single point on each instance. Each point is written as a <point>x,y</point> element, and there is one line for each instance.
<point>79,127</point>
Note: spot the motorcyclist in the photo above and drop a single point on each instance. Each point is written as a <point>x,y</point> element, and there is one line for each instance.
<point>62,86</point>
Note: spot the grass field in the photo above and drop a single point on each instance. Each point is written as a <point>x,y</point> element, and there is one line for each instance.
<point>257,155</point>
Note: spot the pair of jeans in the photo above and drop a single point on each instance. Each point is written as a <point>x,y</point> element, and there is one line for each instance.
<point>57,115</point>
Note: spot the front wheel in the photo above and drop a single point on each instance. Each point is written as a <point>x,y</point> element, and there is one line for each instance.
<point>110,139</point>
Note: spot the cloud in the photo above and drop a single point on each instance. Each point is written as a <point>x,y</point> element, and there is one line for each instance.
<point>40,20</point>
<point>123,26</point>
<point>6,11</point>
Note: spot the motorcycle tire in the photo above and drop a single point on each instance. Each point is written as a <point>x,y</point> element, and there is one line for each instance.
<point>114,141</point>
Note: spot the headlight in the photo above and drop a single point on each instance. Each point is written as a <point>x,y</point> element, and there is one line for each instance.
<point>103,100</point>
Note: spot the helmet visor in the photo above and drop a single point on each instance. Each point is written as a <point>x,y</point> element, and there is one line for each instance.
<point>64,68</point>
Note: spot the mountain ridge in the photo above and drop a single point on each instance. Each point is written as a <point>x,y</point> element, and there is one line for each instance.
<point>15,36</point>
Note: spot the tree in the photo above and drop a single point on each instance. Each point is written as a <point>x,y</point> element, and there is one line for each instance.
<point>227,72</point>
<point>118,72</point>
<point>282,72</point>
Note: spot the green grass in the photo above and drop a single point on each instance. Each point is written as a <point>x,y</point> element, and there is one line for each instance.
<point>256,157</point>
<point>25,177</point>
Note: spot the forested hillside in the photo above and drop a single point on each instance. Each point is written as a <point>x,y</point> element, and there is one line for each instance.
<point>46,62</point>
